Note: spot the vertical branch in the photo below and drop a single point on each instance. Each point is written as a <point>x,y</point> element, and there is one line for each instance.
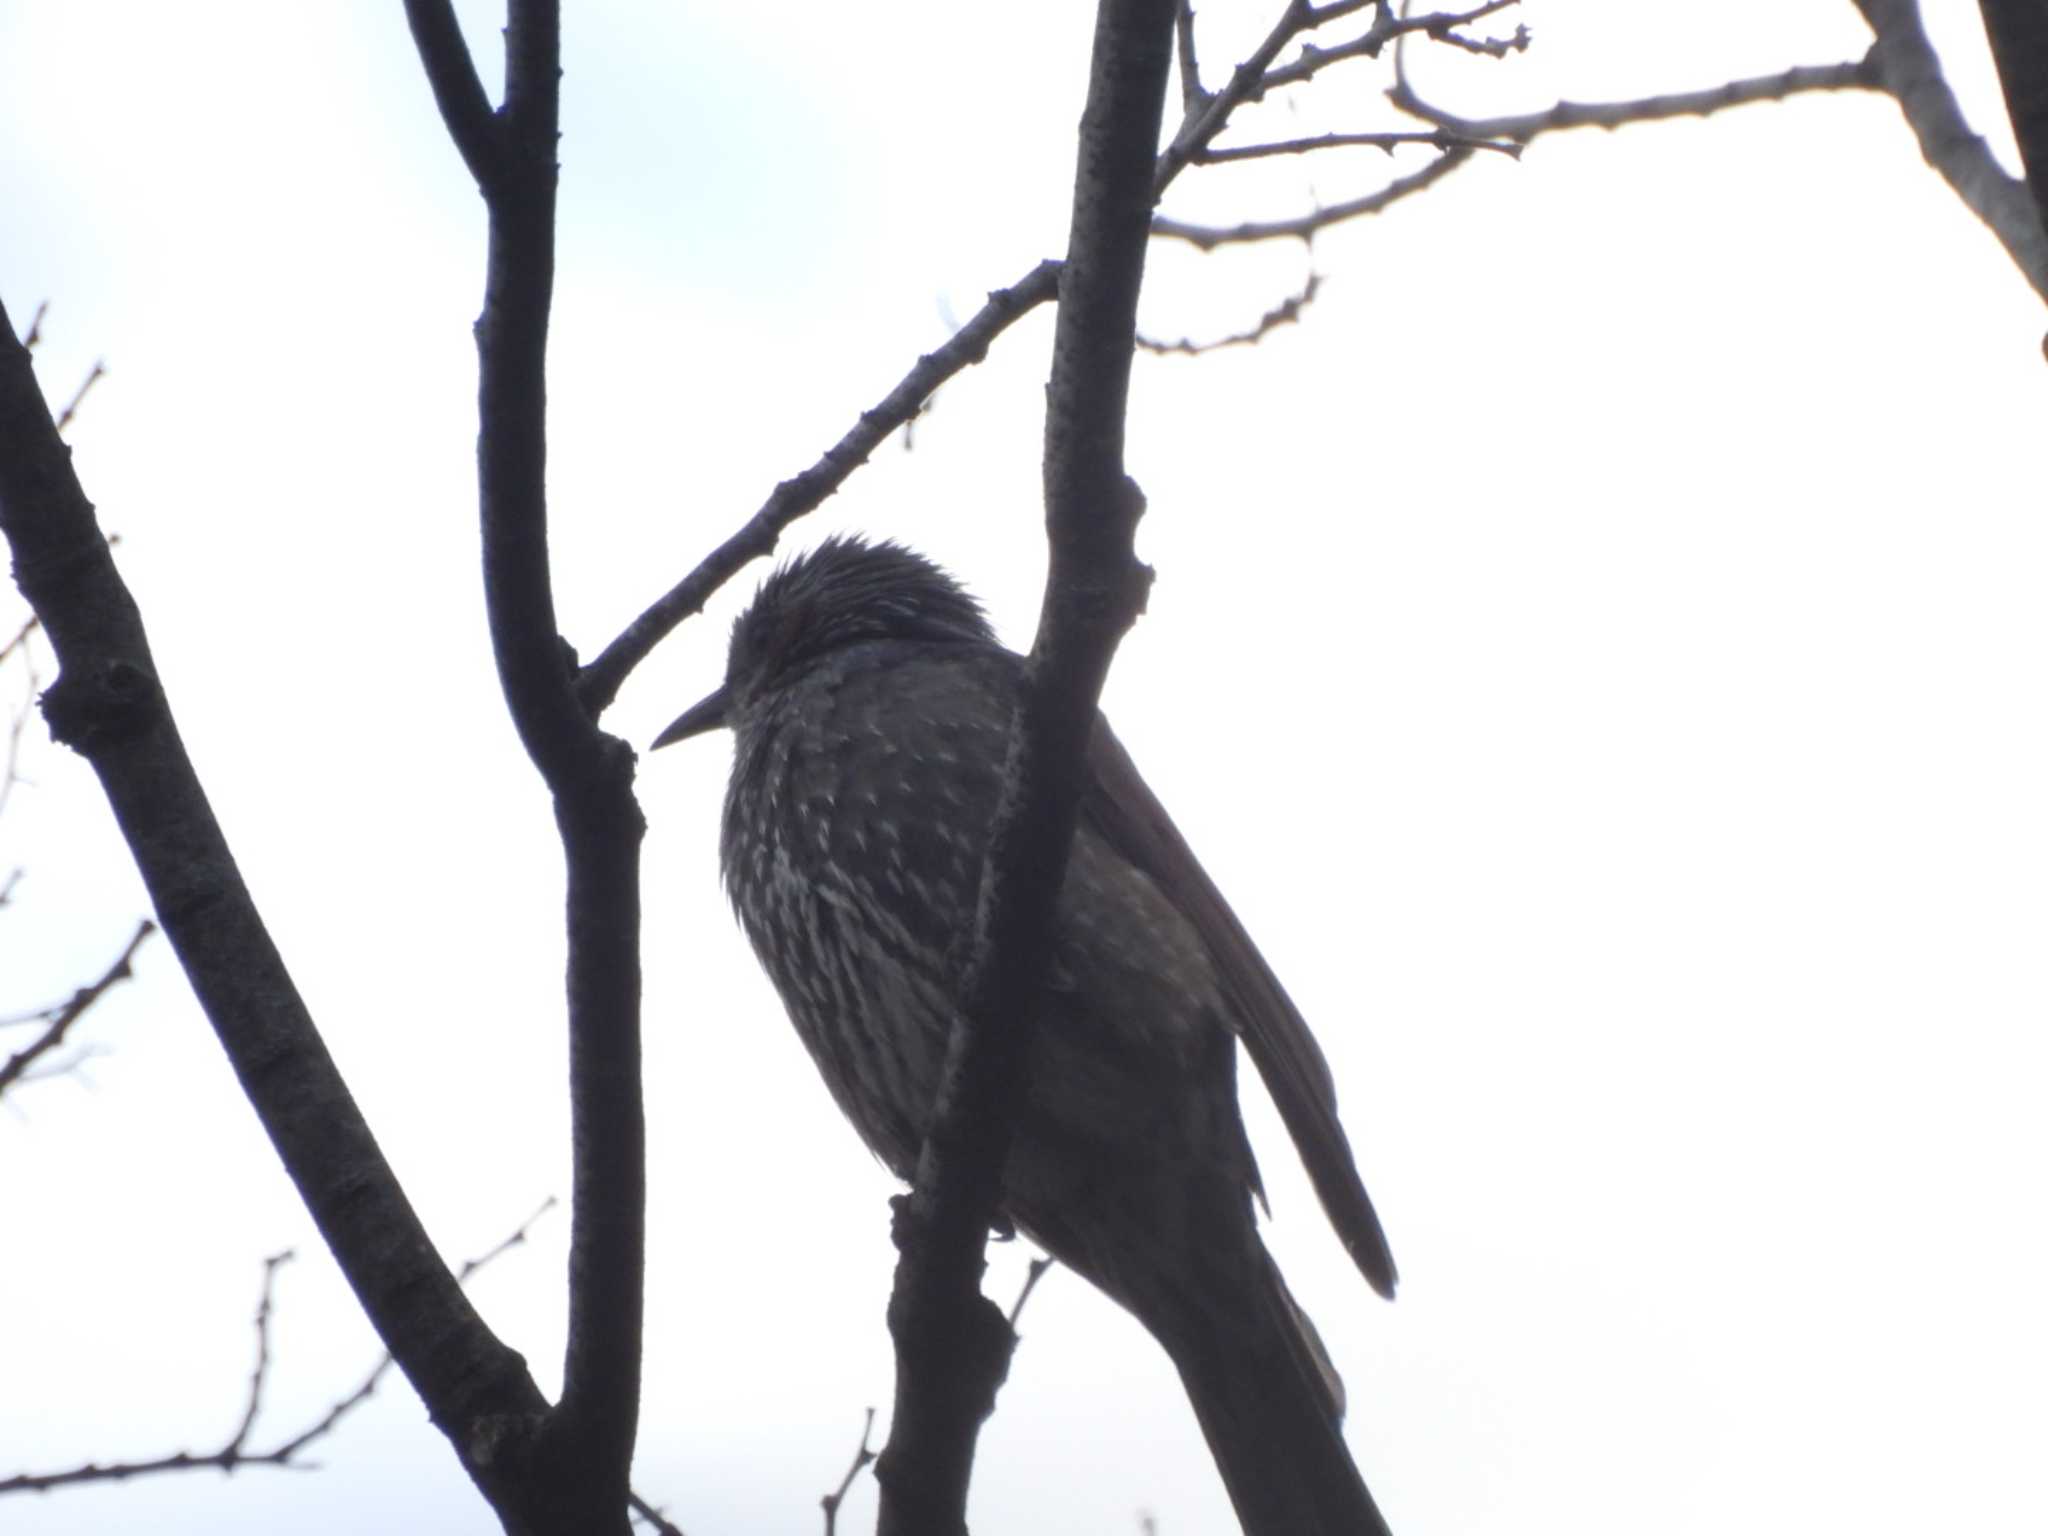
<point>952,1343</point>
<point>585,1449</point>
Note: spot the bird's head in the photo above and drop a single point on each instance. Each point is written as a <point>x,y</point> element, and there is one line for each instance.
<point>842,593</point>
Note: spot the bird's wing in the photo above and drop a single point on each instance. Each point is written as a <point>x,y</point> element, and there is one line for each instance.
<point>1122,810</point>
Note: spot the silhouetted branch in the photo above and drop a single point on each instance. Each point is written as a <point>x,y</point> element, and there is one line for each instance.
<point>1206,114</point>
<point>575,1470</point>
<point>862,1456</point>
<point>952,1344</point>
<point>1907,68</point>
<point>19,639</point>
<point>62,1016</point>
<point>599,682</point>
<point>1437,138</point>
<point>70,412</point>
<point>1900,63</point>
<point>1387,27</point>
<point>2018,32</point>
<point>109,705</point>
<point>1286,312</point>
<point>17,720</point>
<point>235,1452</point>
<point>1192,96</point>
<point>1521,127</point>
<point>1033,1273</point>
<point>1306,226</point>
<point>458,91</point>
<point>651,1517</point>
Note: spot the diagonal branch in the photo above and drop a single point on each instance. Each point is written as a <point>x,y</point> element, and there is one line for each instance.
<point>1306,226</point>
<point>16,1068</point>
<point>108,705</point>
<point>1286,312</point>
<point>2018,32</point>
<point>1908,69</point>
<point>458,92</point>
<point>599,682</point>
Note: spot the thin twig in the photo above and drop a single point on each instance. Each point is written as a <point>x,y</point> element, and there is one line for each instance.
<point>1032,1275</point>
<point>1192,96</point>
<point>235,1453</point>
<point>70,1012</point>
<point>1441,26</point>
<point>1437,138</point>
<point>20,637</point>
<point>257,1377</point>
<point>1306,226</point>
<point>65,416</point>
<point>862,1458</point>
<point>17,724</point>
<point>653,1518</point>
<point>1286,312</point>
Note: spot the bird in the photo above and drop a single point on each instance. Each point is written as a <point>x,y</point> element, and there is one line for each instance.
<point>871,706</point>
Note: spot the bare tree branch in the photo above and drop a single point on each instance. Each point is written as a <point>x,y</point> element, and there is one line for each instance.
<point>107,703</point>
<point>1388,27</point>
<point>70,412</point>
<point>599,682</point>
<point>19,640</point>
<point>235,1452</point>
<point>1901,63</point>
<point>1033,1273</point>
<point>1258,74</point>
<point>2018,32</point>
<point>1306,226</point>
<point>952,1344</point>
<point>1521,127</point>
<point>458,92</point>
<point>1206,114</point>
<point>1908,69</point>
<point>1286,312</point>
<point>1192,96</point>
<point>586,1443</point>
<point>862,1457</point>
<point>63,1016</point>
<point>652,1517</point>
<point>1437,138</point>
<point>18,718</point>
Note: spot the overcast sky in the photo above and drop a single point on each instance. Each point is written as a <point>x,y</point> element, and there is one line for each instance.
<point>1600,652</point>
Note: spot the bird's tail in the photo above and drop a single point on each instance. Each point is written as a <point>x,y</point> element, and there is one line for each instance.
<point>1272,1408</point>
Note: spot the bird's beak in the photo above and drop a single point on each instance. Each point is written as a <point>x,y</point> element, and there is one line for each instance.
<point>707,714</point>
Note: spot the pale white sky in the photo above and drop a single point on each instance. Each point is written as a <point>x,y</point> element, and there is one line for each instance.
<point>1600,652</point>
